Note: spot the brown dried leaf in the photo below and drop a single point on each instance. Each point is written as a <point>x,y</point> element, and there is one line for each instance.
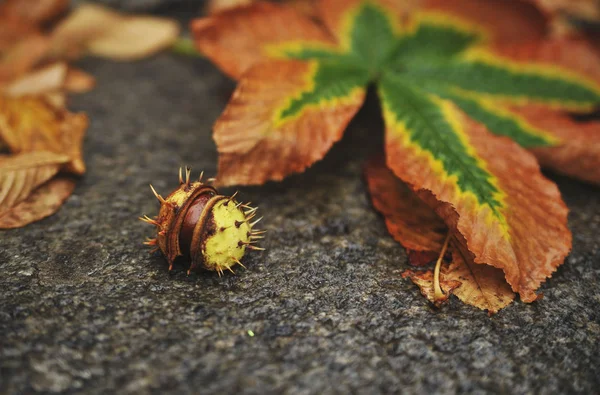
<point>102,32</point>
<point>411,222</point>
<point>43,202</point>
<point>424,280</point>
<point>478,285</point>
<point>47,79</point>
<point>32,12</point>
<point>78,81</point>
<point>135,38</point>
<point>33,124</point>
<point>21,174</point>
<point>88,21</point>
<point>23,56</point>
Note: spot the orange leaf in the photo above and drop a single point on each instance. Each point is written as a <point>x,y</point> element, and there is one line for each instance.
<point>239,38</point>
<point>43,202</point>
<point>21,174</point>
<point>530,200</point>
<point>32,124</point>
<point>578,154</point>
<point>255,146</point>
<point>410,221</point>
<point>33,12</point>
<point>569,53</point>
<point>507,21</point>
<point>23,56</point>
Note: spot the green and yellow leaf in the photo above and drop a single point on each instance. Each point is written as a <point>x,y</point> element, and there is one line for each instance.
<point>489,189</point>
<point>239,38</point>
<point>283,117</point>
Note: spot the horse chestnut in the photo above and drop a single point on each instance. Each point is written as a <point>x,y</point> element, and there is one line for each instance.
<point>212,231</point>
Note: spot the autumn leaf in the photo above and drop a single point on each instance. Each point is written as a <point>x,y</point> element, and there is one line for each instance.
<point>32,12</point>
<point>417,227</point>
<point>21,174</point>
<point>41,203</point>
<point>32,124</point>
<point>481,286</point>
<point>440,54</point>
<point>47,79</point>
<point>408,219</point>
<point>454,93</point>
<point>99,31</point>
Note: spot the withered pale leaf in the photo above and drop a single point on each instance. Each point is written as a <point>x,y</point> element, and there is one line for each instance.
<point>478,285</point>
<point>41,203</point>
<point>135,38</point>
<point>481,286</point>
<point>410,221</point>
<point>45,80</point>
<point>424,280</point>
<point>21,174</point>
<point>33,124</point>
<point>70,38</point>
<point>78,81</point>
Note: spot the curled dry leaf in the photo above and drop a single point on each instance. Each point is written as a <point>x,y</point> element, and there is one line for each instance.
<point>479,285</point>
<point>78,81</point>
<point>21,174</point>
<point>424,280</point>
<point>135,38</point>
<point>47,79</point>
<point>41,203</point>
<point>33,124</point>
<point>102,32</point>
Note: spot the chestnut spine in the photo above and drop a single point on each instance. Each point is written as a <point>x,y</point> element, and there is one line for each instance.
<point>212,231</point>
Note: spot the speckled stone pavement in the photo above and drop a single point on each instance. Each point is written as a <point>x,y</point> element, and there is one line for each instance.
<point>85,308</point>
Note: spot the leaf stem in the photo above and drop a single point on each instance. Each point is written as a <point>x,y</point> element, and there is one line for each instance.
<point>438,294</point>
